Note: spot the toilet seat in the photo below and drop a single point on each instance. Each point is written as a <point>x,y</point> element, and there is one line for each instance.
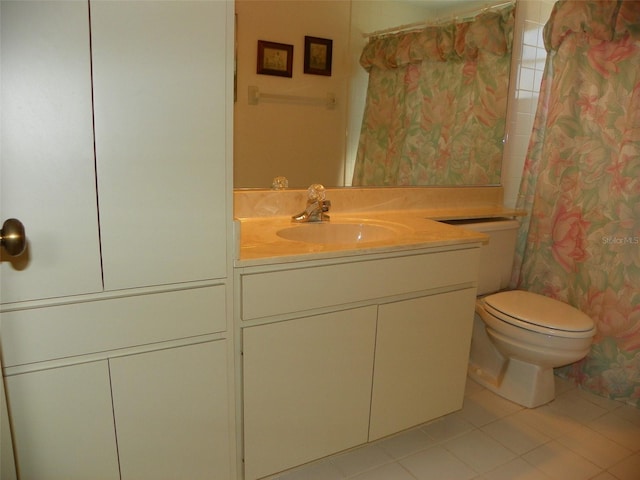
<point>539,314</point>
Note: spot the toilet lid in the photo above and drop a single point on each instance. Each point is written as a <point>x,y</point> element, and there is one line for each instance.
<point>538,310</point>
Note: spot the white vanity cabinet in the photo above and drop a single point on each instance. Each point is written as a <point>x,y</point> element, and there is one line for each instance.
<point>171,417</point>
<point>116,133</point>
<point>135,369</point>
<point>339,352</point>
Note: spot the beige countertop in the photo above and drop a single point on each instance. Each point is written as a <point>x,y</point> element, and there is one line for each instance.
<point>260,244</point>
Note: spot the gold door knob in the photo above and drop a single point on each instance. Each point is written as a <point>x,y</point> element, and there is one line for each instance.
<point>12,237</point>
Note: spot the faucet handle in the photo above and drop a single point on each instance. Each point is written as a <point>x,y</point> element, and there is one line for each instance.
<point>316,193</point>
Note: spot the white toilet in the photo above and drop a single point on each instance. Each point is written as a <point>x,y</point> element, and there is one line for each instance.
<point>519,337</point>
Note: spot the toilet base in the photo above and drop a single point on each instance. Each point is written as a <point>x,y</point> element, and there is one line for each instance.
<point>520,382</point>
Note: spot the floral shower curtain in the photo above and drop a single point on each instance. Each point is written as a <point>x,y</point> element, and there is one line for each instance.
<point>580,242</point>
<point>435,104</point>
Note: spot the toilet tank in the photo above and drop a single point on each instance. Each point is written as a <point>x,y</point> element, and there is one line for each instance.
<point>496,257</point>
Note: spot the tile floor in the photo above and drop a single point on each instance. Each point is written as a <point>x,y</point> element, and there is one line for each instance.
<point>578,436</point>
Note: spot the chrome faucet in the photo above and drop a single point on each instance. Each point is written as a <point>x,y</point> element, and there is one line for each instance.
<point>317,206</point>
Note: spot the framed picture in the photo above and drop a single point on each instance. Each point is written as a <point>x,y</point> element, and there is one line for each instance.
<point>275,59</point>
<point>317,55</point>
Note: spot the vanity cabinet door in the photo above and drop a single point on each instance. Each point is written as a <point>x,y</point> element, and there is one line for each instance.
<point>307,388</point>
<point>62,422</point>
<point>171,413</point>
<point>422,350</point>
<point>160,103</point>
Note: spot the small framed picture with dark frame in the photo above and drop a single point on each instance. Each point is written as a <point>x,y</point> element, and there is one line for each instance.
<point>317,55</point>
<point>275,59</point>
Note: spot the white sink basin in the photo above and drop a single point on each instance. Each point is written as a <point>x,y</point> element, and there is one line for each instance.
<point>338,233</point>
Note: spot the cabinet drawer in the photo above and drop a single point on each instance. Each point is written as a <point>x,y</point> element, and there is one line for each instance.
<point>288,291</point>
<point>48,333</point>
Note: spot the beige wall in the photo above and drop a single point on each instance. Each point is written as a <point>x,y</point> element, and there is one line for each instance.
<point>275,137</point>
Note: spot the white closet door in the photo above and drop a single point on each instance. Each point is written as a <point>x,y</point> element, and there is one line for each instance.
<point>160,110</point>
<point>63,423</point>
<point>172,415</point>
<point>47,172</point>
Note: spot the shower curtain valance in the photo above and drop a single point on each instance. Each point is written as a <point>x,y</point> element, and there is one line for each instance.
<point>491,32</point>
<point>600,20</point>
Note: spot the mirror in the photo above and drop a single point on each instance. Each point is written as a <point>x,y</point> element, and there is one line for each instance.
<point>306,127</point>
